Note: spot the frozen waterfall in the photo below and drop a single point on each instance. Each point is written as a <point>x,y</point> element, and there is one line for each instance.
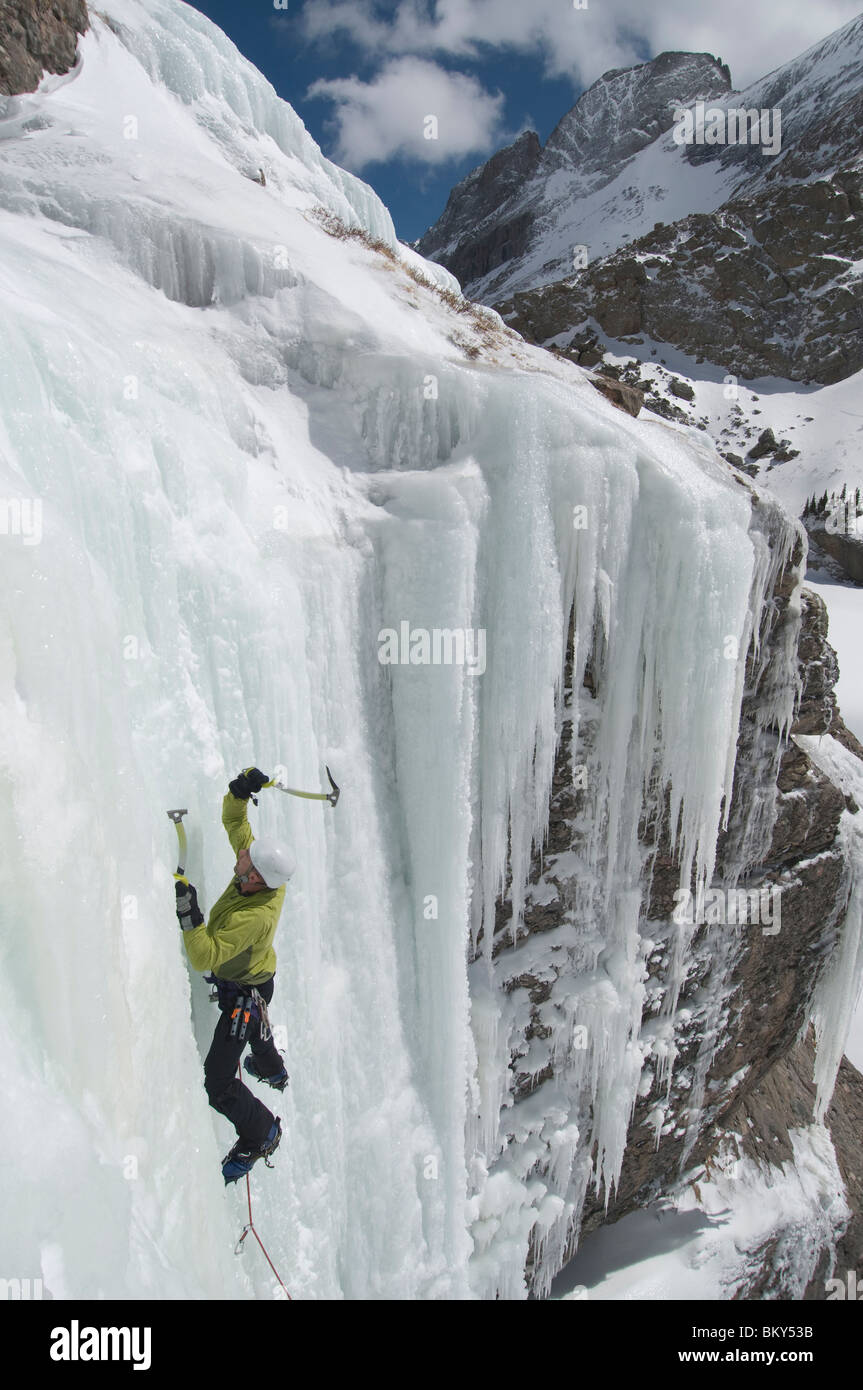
<point>235,451</point>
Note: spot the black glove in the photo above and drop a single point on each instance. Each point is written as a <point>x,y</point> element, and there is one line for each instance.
<point>249,781</point>
<point>189,915</point>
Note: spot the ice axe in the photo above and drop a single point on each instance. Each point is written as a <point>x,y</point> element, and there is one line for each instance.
<point>331,796</point>
<point>177,818</point>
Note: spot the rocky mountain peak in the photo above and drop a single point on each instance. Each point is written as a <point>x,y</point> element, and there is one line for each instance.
<point>481,192</point>
<point>628,108</point>
<point>492,216</point>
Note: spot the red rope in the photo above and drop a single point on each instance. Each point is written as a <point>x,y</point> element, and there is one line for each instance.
<point>251,1227</point>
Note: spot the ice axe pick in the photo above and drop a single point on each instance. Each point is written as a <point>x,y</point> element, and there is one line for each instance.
<point>330,796</point>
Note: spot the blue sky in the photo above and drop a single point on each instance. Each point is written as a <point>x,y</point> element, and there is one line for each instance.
<point>364,75</point>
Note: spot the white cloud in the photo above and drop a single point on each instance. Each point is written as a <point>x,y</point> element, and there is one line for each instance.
<point>414,109</point>
<point>752,36</point>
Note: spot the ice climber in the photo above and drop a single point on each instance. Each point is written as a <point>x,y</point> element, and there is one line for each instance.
<point>236,945</point>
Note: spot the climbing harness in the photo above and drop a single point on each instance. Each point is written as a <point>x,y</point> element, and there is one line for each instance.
<point>243,1002</point>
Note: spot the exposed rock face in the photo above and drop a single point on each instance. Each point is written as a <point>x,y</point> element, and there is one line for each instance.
<point>624,397</point>
<point>783,1101</point>
<point>477,200</point>
<point>764,287</point>
<point>499,210</point>
<point>37,37</point>
<point>768,445</point>
<point>818,711</point>
<point>845,1122</point>
<point>626,110</point>
<point>847,550</point>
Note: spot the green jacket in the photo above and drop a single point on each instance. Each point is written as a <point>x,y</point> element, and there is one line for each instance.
<point>237,942</point>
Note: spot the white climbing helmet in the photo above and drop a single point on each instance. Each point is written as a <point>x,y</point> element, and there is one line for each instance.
<point>273,861</point>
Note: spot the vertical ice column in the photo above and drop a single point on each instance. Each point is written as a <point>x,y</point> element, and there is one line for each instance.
<point>433,649</point>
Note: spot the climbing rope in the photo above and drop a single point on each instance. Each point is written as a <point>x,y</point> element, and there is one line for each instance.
<point>251,1227</point>
<point>238,1248</point>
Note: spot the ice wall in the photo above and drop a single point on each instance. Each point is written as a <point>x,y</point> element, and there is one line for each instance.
<point>240,449</point>
<point>675,604</point>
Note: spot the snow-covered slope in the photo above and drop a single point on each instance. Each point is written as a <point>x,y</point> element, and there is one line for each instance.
<point>823,424</point>
<point>235,447</point>
<point>707,1242</point>
<point>818,96</point>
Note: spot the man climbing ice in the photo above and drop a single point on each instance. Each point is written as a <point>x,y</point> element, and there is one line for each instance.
<point>237,946</point>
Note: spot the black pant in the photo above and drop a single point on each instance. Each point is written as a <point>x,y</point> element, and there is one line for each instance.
<point>225,1091</point>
